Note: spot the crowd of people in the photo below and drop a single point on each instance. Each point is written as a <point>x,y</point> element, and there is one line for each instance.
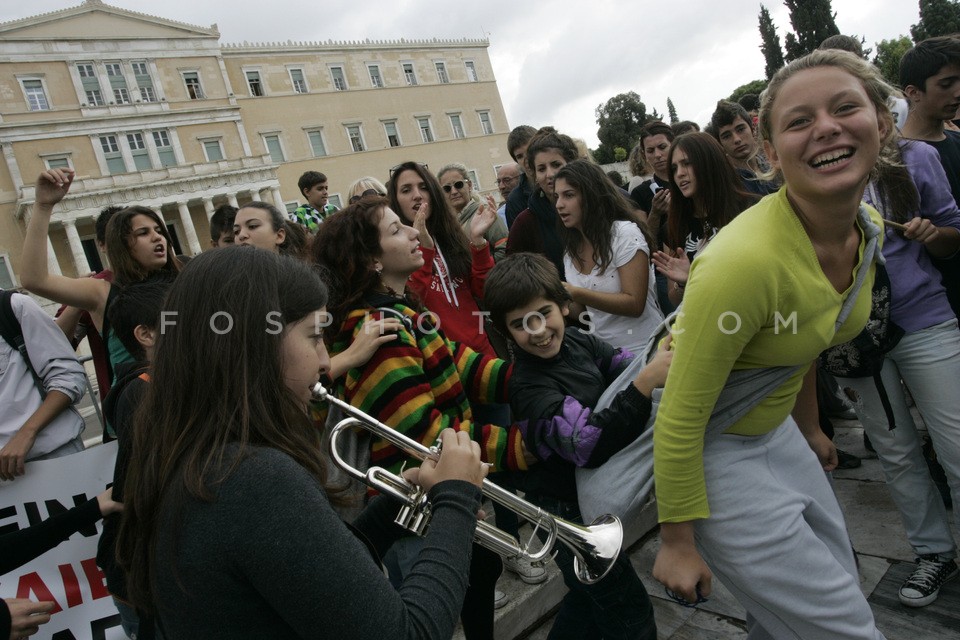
<point>802,248</point>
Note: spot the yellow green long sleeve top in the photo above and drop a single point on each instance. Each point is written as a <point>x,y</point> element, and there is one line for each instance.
<point>756,298</point>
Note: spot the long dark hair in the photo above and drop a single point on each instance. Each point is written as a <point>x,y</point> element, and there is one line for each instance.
<point>719,196</point>
<point>442,225</point>
<point>125,269</point>
<point>602,203</point>
<point>346,246</point>
<point>212,388</point>
<point>895,187</point>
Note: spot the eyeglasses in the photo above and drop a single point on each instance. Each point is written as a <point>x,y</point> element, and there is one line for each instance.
<point>422,165</point>
<point>506,180</point>
<point>368,192</point>
<point>456,185</point>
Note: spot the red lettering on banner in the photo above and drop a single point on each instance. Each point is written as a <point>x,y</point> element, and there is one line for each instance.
<point>32,586</point>
<point>71,585</point>
<point>95,578</point>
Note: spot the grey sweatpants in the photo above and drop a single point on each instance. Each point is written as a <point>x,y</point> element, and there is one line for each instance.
<point>776,538</point>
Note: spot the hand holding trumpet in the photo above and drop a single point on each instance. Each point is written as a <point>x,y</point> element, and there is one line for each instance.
<point>459,460</point>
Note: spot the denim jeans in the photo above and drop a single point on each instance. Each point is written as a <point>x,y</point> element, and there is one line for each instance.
<point>928,361</point>
<point>129,620</point>
<point>617,607</point>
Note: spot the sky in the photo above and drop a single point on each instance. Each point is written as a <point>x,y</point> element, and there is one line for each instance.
<point>554,62</point>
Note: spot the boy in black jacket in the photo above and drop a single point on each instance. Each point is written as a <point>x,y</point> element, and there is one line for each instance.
<point>135,317</point>
<point>558,376</point>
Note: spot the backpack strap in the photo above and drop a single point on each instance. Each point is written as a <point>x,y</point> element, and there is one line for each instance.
<point>13,334</point>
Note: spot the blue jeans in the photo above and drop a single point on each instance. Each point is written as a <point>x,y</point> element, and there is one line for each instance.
<point>616,607</point>
<point>129,620</point>
<point>928,361</point>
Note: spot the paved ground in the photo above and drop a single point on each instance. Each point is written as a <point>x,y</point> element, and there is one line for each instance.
<point>877,536</point>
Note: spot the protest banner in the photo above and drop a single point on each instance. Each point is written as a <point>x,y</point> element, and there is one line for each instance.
<point>67,574</point>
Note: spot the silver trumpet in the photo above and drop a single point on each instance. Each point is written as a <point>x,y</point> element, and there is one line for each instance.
<point>595,547</point>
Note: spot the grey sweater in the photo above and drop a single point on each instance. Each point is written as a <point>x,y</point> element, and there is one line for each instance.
<point>269,558</point>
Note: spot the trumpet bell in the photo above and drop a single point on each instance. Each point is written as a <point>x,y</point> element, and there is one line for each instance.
<point>595,546</point>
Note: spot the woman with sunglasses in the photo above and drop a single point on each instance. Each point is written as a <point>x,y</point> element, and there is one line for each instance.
<point>365,186</point>
<point>458,190</point>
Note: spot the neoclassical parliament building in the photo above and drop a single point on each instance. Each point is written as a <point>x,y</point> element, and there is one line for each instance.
<point>159,113</point>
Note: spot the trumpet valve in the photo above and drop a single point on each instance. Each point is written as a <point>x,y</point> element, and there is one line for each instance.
<point>415,516</point>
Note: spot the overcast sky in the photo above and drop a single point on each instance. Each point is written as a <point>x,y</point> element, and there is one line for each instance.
<point>554,61</point>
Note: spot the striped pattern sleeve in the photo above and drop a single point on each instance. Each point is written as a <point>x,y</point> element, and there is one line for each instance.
<point>413,385</point>
<point>484,378</point>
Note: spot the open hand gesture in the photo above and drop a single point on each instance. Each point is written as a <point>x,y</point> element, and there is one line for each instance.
<point>420,224</point>
<point>673,263</point>
<point>482,220</point>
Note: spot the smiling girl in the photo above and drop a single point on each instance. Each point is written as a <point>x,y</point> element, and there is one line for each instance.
<point>751,501</point>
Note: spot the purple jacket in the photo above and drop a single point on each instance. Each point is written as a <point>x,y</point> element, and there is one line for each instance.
<point>918,299</point>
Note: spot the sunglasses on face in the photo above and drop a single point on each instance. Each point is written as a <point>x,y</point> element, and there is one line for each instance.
<point>456,185</point>
<point>368,192</point>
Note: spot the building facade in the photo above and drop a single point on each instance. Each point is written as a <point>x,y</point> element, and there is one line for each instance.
<point>159,113</point>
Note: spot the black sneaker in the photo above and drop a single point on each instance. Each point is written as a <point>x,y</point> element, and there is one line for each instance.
<point>847,460</point>
<point>923,585</point>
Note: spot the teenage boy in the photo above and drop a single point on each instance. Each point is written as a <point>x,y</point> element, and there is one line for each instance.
<point>221,226</point>
<point>313,186</point>
<point>135,317</point>
<point>558,376</point>
<point>517,143</point>
<point>731,125</point>
<point>930,77</point>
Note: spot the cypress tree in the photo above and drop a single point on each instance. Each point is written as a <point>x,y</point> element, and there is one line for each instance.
<point>769,44</point>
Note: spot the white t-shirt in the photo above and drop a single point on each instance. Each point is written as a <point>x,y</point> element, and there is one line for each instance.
<point>620,331</point>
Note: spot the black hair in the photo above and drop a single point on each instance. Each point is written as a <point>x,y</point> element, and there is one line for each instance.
<point>135,305</point>
<point>309,179</point>
<point>516,281</point>
<point>222,221</point>
<point>103,220</point>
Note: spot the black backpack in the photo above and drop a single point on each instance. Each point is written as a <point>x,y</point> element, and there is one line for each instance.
<point>12,332</point>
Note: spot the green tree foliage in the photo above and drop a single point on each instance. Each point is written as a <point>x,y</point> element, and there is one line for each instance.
<point>813,21</point>
<point>619,154</point>
<point>756,87</point>
<point>620,119</point>
<point>889,53</point>
<point>672,110</point>
<point>769,44</point>
<point>937,18</point>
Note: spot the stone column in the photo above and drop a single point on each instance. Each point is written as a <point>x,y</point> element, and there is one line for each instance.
<point>232,200</point>
<point>208,207</point>
<point>255,195</point>
<point>278,199</point>
<point>76,248</point>
<point>188,228</point>
<point>52,265</point>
